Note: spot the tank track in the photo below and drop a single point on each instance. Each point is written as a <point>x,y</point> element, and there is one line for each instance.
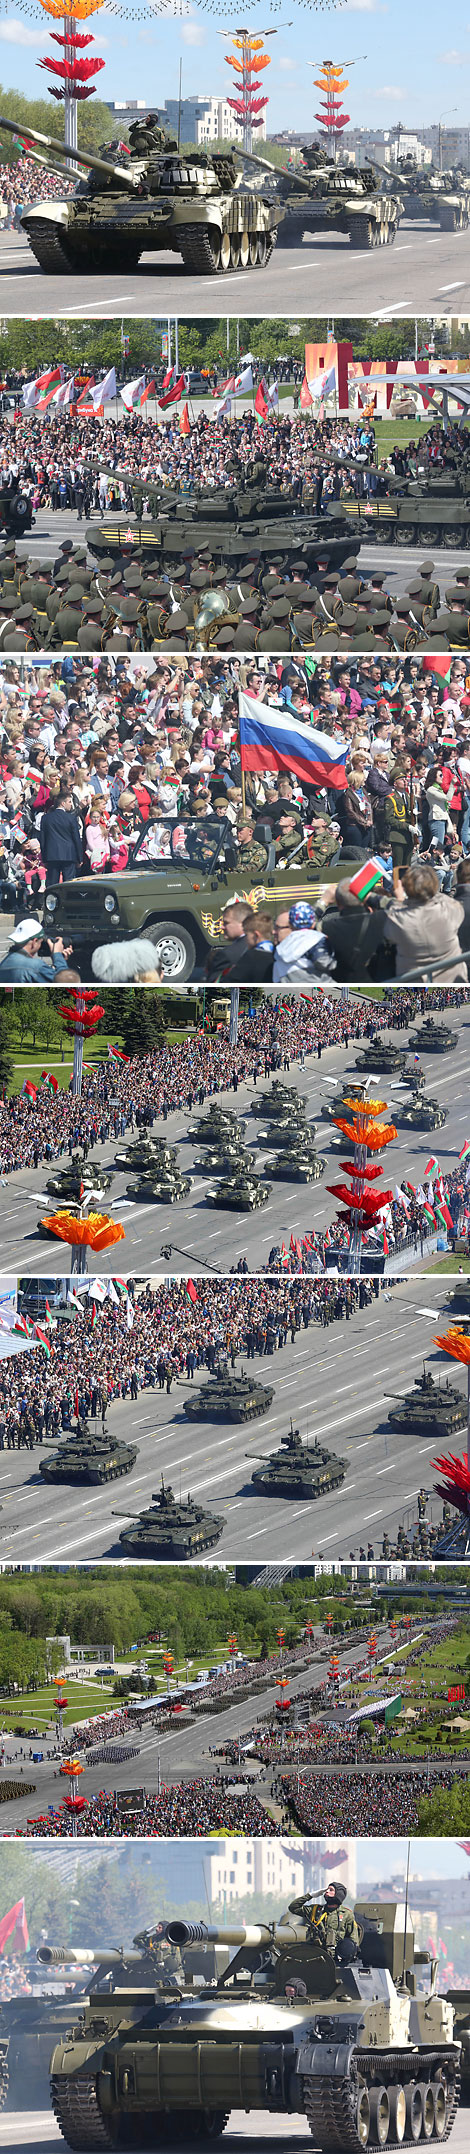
<point>47,249</point>
<point>77,2112</point>
<point>330,2106</point>
<point>4,2081</point>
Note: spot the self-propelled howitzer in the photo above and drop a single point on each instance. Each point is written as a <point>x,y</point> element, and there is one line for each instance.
<point>338,2035</point>
<point>151,198</point>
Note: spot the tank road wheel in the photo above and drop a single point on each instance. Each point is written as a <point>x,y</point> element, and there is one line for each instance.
<point>428,2111</point>
<point>235,245</point>
<point>414,2111</point>
<point>406,534</point>
<point>261,249</point>
<point>78,2114</point>
<point>398,2115</point>
<point>363,2117</point>
<point>174,949</point>
<point>253,250</point>
<point>244,259</point>
<point>4,2080</point>
<point>440,2112</point>
<point>379,2116</point>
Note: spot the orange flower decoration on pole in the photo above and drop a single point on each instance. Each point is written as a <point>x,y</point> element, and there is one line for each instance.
<point>362,1204</point>
<point>97,1232</point>
<point>456,1486</point>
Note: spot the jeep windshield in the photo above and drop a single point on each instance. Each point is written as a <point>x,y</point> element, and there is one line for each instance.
<point>185,841</point>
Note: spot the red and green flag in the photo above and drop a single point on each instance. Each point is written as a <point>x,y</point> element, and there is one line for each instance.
<point>261,405</point>
<point>284,1257</point>
<point>431,1169</point>
<point>94,1316</point>
<point>190,1290</point>
<point>367,878</point>
<point>116,1055</point>
<point>444,1214</point>
<point>465,1152</point>
<point>51,1083</point>
<point>29,1089</point>
<point>43,1340</point>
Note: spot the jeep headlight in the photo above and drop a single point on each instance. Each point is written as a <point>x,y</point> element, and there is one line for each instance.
<point>109,903</point>
<point>51,902</point>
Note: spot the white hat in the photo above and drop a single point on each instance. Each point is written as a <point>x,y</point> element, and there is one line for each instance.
<point>25,931</point>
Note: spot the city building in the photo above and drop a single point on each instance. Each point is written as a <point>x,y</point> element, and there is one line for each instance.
<point>198,119</point>
<point>238,1868</point>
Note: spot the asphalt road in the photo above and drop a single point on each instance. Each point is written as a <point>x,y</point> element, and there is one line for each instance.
<point>396,563</point>
<point>204,1237</point>
<point>425,272</point>
<point>34,2133</point>
<point>337,1385</point>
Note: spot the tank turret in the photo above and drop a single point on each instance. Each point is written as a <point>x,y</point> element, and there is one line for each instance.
<point>224,1158</point>
<point>170,1528</point>
<point>82,1175</point>
<point>431,1409</point>
<point>440,197</point>
<point>83,1457</point>
<point>381,1055</point>
<point>240,1192</point>
<point>317,2015</point>
<point>425,1113</point>
<point>433,1038</point>
<point>219,1123</point>
<point>154,197</point>
<point>299,1469</point>
<point>228,1397</point>
<point>32,2023</point>
<point>161,1185</point>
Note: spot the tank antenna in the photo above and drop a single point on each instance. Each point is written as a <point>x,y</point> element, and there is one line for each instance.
<point>406,1909</point>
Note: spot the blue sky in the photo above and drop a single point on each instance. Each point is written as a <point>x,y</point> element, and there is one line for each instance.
<point>409,74</point>
<point>429,1858</point>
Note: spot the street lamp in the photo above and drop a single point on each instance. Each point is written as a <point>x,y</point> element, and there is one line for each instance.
<point>169,1249</point>
<point>442,116</point>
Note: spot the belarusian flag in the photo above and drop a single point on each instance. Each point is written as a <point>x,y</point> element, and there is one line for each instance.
<point>22,1324</point>
<point>190,1290</point>
<point>74,1300</point>
<point>172,395</point>
<point>185,424</point>
<point>116,1055</point>
<point>385,1246</point>
<point>149,391</point>
<point>366,878</point>
<point>121,1285</point>
<point>131,393</point>
<point>94,1316</point>
<point>51,1083</point>
<point>29,1089</point>
<point>295,1248</point>
<point>14,1923</point>
<point>464,1154</point>
<point>43,1340</point>
<point>444,1214</point>
<point>284,1256</point>
<point>37,394</point>
<point>47,1314</point>
<point>431,1169</point>
<point>261,406</point>
<point>430,1214</point>
<point>169,378</point>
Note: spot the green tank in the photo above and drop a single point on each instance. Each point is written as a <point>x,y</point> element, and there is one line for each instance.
<point>83,1457</point>
<point>327,197</point>
<point>341,2038</point>
<point>298,1469</point>
<point>458,1302</point>
<point>16,510</point>
<point>153,199</point>
<point>163,1185</point>
<point>459,1999</point>
<point>424,1114</point>
<point>219,1124</point>
<point>224,1159</point>
<point>81,1174</point>
<point>381,1055</point>
<point>339,1102</point>
<point>289,1129</point>
<point>231,525</point>
<point>441,197</point>
<point>298,1162</point>
<point>171,1528</point>
<point>228,1397</point>
<point>241,1191</point>
<point>147,1152</point>
<point>433,1039</point>
<point>31,2026</point>
<point>280,1099</point>
<point>429,1408</point>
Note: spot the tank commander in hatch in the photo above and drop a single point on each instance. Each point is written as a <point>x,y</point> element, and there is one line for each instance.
<point>335,1925</point>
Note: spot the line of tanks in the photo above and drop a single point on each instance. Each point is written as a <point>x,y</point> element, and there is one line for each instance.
<point>350,2033</point>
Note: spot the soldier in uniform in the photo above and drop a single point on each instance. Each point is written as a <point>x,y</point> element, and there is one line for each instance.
<point>252,855</point>
<point>335,1925</point>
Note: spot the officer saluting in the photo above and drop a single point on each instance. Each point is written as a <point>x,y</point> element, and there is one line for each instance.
<point>334,1924</point>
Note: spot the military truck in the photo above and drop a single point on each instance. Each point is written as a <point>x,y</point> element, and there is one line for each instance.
<point>298,1469</point>
<point>151,199</point>
<point>228,1397</point>
<point>429,1408</point>
<point>341,2037</point>
<point>173,892</point>
<point>172,1529</point>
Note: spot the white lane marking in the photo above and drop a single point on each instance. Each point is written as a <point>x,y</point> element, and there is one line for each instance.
<point>458,287</point>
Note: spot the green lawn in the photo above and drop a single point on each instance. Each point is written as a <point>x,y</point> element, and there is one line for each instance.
<point>449,1263</point>
<point>396,433</point>
<point>29,1061</point>
<point>36,1708</point>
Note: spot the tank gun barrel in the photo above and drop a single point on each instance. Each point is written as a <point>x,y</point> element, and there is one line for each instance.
<point>111,1956</point>
<point>80,157</point>
<point>209,1933</point>
<point>251,157</point>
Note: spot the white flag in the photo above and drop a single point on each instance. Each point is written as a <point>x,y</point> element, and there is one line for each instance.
<point>322,385</point>
<point>221,411</point>
<point>130,1313</point>
<point>132,391</point>
<point>273,396</point>
<point>97,1289</point>
<point>102,392</point>
<point>112,1295</point>
<point>243,383</point>
<point>65,394</point>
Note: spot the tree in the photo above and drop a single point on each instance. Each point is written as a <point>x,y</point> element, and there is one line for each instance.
<point>6,1057</point>
<point>142,1022</point>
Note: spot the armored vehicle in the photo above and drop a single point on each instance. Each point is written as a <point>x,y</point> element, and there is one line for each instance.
<point>443,197</point>
<point>299,1469</point>
<point>429,1408</point>
<point>16,510</point>
<point>340,1102</point>
<point>433,1039</point>
<point>172,1528</point>
<point>225,1159</point>
<point>326,197</point>
<point>424,1114</point>
<point>297,1162</point>
<point>381,1055</point>
<point>241,1191</point>
<point>31,2025</point>
<point>429,511</point>
<point>83,1457</point>
<point>459,1999</point>
<point>220,1124</point>
<point>147,1152</point>
<point>163,1185</point>
<point>280,1099</point>
<point>81,1174</point>
<point>229,1398</point>
<point>340,2037</point>
<point>458,1302</point>
<point>151,199</point>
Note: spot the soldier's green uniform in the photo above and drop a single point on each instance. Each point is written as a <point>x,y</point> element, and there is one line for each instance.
<point>254,857</point>
<point>334,1924</point>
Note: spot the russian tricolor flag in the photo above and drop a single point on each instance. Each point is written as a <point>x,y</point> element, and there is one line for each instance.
<point>275,740</point>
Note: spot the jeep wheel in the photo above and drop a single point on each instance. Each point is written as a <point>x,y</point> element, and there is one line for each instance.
<point>174,949</point>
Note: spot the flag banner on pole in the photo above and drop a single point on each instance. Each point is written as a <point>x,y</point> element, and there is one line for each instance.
<point>116,1055</point>
<point>465,1152</point>
<point>74,1300</point>
<point>443,1213</point>
<point>30,1089</point>
<point>367,877</point>
<point>50,1082</point>
<point>243,382</point>
<point>104,392</point>
<point>129,1313</point>
<point>43,1340</point>
<point>431,1169</point>
<point>131,392</point>
<point>14,1923</point>
<point>323,386</point>
<point>276,740</point>
<point>185,422</point>
<point>261,405</point>
<point>190,1290</point>
<point>172,396</point>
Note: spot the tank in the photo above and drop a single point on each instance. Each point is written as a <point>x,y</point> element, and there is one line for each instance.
<point>433,1039</point>
<point>16,511</point>
<point>458,1302</point>
<point>298,1469</point>
<point>279,1099</point>
<point>327,197</point>
<point>81,1174</point>
<point>424,1114</point>
<point>339,1102</point>
<point>381,1055</point>
<point>442,197</point>
<point>152,199</point>
<point>218,1123</point>
<point>240,1192</point>
<point>254,515</point>
<point>224,1159</point>
<point>171,1528</point>
<point>297,1162</point>
<point>160,1186</point>
<point>345,2042</point>
<point>228,1397</point>
<point>83,1457</point>
<point>459,1999</point>
<point>429,1408</point>
<point>30,2026</point>
<point>147,1152</point>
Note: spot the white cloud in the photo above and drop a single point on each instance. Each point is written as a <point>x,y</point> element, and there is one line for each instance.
<point>287,65</point>
<point>15,33</point>
<point>453,58</point>
<point>390,89</point>
<point>193,34</point>
<point>365,7</point>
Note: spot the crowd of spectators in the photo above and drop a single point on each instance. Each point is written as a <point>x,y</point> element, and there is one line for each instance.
<point>375,1803</point>
<point>19,187</point>
<point>188,1811</point>
<point>110,764</point>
